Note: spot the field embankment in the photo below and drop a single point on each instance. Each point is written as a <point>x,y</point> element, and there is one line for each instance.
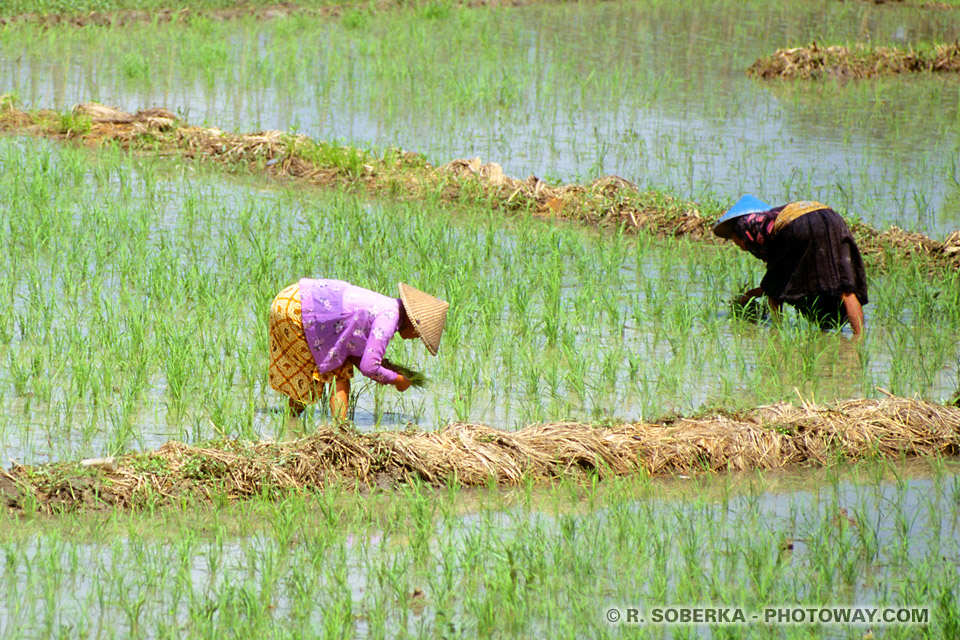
<point>913,4</point>
<point>769,437</point>
<point>119,13</point>
<point>862,61</point>
<point>609,201</point>
<point>122,13</point>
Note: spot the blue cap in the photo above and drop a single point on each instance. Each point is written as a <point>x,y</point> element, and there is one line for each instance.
<point>745,205</point>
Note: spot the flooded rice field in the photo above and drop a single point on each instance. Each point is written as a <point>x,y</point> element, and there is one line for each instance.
<point>137,290</point>
<point>139,294</point>
<point>425,563</point>
<point>655,92</point>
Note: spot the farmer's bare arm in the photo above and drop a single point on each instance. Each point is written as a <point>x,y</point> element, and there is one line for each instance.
<point>402,383</point>
<point>750,294</point>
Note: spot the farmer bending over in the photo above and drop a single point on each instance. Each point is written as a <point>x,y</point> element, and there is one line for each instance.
<point>812,260</point>
<point>321,329</point>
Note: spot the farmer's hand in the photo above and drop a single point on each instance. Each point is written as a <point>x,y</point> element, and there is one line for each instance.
<point>749,295</point>
<point>401,383</point>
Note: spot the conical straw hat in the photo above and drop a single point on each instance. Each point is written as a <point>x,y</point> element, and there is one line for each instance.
<point>428,315</point>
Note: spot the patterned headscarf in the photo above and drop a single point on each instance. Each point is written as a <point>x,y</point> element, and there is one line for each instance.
<point>755,229</point>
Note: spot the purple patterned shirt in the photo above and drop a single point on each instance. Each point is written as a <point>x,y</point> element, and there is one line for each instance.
<point>342,320</point>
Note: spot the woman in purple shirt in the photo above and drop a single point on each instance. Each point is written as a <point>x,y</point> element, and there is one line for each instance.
<point>321,329</point>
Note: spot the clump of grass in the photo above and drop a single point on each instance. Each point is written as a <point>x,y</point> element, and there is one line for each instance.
<point>755,310</point>
<point>74,124</point>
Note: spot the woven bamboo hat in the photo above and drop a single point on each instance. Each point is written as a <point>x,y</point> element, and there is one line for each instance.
<point>428,315</point>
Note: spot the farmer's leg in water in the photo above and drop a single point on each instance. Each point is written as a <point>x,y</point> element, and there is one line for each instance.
<point>296,408</point>
<point>854,312</point>
<point>340,399</point>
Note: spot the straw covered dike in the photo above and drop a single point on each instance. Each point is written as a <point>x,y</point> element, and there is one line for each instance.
<point>610,201</point>
<point>770,437</point>
<point>861,61</point>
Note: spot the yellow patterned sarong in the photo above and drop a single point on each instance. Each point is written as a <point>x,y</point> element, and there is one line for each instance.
<point>293,371</point>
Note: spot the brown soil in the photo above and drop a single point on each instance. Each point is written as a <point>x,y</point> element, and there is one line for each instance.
<point>262,13</point>
<point>919,4</point>
<point>939,6</point>
<point>816,61</point>
<point>284,9</point>
<point>769,437</point>
<point>610,201</point>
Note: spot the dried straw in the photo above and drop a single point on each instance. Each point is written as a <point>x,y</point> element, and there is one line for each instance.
<point>261,13</point>
<point>769,437</point>
<point>816,61</point>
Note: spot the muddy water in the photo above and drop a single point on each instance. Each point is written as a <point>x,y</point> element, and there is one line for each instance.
<point>652,91</point>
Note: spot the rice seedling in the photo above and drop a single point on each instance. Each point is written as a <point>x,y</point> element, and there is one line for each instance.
<point>334,559</point>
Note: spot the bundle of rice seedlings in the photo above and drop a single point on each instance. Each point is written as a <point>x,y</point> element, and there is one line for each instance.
<point>417,378</point>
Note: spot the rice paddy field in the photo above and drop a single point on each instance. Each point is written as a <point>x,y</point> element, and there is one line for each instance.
<point>137,288</point>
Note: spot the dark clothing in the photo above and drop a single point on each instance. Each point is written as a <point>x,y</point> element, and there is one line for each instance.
<point>827,312</point>
<point>812,261</point>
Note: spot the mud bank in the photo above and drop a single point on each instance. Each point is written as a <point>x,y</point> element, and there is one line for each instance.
<point>277,11</point>
<point>770,437</point>
<point>862,61</point>
<point>610,201</point>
